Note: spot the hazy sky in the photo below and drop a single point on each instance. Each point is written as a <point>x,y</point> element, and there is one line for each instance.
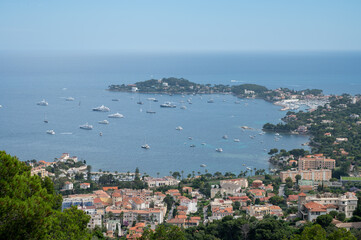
<point>180,25</point>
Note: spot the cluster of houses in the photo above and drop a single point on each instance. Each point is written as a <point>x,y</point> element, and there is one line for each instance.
<point>127,212</point>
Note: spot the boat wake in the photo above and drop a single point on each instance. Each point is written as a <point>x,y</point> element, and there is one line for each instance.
<point>66,133</point>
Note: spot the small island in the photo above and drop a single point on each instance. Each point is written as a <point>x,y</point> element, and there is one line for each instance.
<point>172,85</point>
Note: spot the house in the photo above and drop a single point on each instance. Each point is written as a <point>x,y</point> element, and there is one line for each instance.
<point>257,183</point>
<point>230,187</point>
<point>84,185</point>
<point>259,211</point>
<point>68,185</point>
<point>310,207</point>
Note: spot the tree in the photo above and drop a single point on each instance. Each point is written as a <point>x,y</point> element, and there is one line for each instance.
<point>289,182</point>
<point>298,178</point>
<point>164,233</point>
<point>30,208</point>
<point>276,200</point>
<point>315,232</point>
<point>273,151</point>
<point>324,220</point>
<point>341,216</point>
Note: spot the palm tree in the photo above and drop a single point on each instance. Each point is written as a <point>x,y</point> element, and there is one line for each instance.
<point>158,174</point>
<point>182,174</point>
<point>193,173</point>
<point>170,173</point>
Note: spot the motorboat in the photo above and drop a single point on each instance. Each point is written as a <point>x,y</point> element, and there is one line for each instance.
<point>248,168</point>
<point>100,134</point>
<point>140,103</point>
<point>203,165</point>
<point>225,137</point>
<point>86,126</point>
<point>69,99</point>
<point>42,103</point>
<point>115,115</point>
<point>190,138</point>
<point>192,145</point>
<point>145,146</point>
<point>51,132</point>
<point>115,100</point>
<point>104,122</point>
<point>168,105</point>
<point>236,140</point>
<point>210,101</point>
<point>179,128</point>
<point>183,107</point>
<point>203,143</point>
<point>102,108</point>
<point>150,111</point>
<point>219,150</point>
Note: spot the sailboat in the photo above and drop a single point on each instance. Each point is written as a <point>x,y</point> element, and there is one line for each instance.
<point>145,145</point>
<point>140,102</point>
<point>150,109</point>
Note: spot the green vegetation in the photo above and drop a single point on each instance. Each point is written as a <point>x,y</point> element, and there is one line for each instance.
<point>30,208</point>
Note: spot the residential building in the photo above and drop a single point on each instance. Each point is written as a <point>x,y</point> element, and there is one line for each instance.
<point>310,207</point>
<point>230,187</point>
<point>315,175</point>
<point>259,211</point>
<point>158,182</point>
<point>316,162</point>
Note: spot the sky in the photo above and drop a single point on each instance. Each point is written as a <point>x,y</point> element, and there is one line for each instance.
<point>180,25</point>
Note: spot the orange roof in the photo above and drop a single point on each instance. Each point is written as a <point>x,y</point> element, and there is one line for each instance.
<point>302,194</point>
<point>181,216</point>
<point>110,188</point>
<point>116,194</point>
<point>86,184</point>
<point>292,198</point>
<point>315,207</point>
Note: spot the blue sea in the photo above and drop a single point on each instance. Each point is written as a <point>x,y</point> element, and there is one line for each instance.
<point>27,78</point>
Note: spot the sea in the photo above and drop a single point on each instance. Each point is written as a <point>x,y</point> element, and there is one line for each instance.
<point>28,78</point>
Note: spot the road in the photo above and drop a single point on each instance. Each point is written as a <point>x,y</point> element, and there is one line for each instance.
<point>281,190</point>
<point>170,214</point>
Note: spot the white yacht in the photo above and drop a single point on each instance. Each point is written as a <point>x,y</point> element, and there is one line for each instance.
<point>203,165</point>
<point>69,99</point>
<point>183,107</point>
<point>1,106</point>
<point>277,134</point>
<point>225,137</point>
<point>51,132</point>
<point>219,150</point>
<point>179,128</point>
<point>86,126</point>
<point>104,122</point>
<point>115,115</point>
<point>236,140</point>
<point>168,105</point>
<point>145,146</point>
<point>102,108</point>
<point>43,103</point>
